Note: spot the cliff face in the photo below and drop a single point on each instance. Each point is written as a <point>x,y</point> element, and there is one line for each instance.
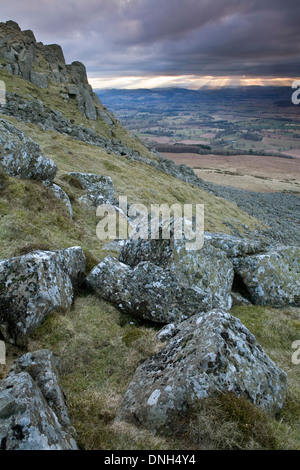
<point>22,55</point>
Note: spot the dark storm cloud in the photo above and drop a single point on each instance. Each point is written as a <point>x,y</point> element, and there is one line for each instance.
<point>136,37</point>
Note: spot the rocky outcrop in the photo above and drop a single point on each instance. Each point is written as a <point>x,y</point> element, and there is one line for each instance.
<point>33,285</point>
<point>100,189</point>
<point>22,55</point>
<point>210,353</point>
<point>164,285</point>
<point>146,291</point>
<point>21,157</point>
<point>207,270</point>
<point>33,412</point>
<point>35,111</point>
<point>271,278</point>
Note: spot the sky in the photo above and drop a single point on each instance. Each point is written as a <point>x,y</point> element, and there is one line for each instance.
<point>158,43</point>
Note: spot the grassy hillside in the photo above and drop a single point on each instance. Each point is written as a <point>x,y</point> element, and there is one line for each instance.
<point>98,347</point>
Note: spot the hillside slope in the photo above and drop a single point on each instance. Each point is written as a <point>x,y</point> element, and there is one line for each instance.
<point>97,346</point>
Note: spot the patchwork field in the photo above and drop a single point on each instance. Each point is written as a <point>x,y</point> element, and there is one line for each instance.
<point>231,137</point>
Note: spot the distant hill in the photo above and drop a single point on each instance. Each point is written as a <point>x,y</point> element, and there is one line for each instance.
<point>116,98</point>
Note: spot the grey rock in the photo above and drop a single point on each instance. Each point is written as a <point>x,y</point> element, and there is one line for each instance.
<point>40,365</point>
<point>163,294</point>
<point>54,55</point>
<point>115,245</point>
<point>39,79</point>
<point>272,278</point>
<point>34,285</point>
<point>90,109</point>
<point>167,332</point>
<point>235,246</point>
<point>13,25</point>
<point>29,35</point>
<point>72,90</point>
<point>26,59</point>
<point>77,73</point>
<point>20,156</point>
<point>99,188</point>
<point>212,353</point>
<point>62,195</point>
<point>206,271</point>
<point>106,118</point>
<point>27,419</point>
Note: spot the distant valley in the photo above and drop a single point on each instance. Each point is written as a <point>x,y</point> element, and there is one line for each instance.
<point>222,133</point>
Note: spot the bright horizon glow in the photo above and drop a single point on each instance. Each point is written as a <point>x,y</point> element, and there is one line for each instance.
<point>185,81</point>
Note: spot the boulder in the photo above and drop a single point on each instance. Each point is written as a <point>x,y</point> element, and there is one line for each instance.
<point>206,271</point>
<point>33,413</point>
<point>77,72</point>
<point>90,109</point>
<point>13,25</point>
<point>100,189</point>
<point>25,61</point>
<point>72,90</point>
<point>54,55</point>
<point>235,246</point>
<point>115,245</point>
<point>33,285</point>
<point>271,278</point>
<point>40,365</point>
<point>163,295</point>
<point>211,353</point>
<point>39,79</point>
<point>105,117</point>
<point>21,157</point>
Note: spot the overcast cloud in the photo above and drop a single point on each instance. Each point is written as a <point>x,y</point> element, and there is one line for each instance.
<point>116,38</point>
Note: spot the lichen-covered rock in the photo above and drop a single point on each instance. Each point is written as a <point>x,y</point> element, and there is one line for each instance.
<point>206,271</point>
<point>238,299</point>
<point>167,332</point>
<point>235,246</point>
<point>115,245</point>
<point>165,295</point>
<point>271,278</point>
<point>41,366</point>
<point>39,79</point>
<point>105,116</point>
<point>33,285</point>
<point>62,195</point>
<point>100,189</point>
<point>21,157</point>
<point>211,353</point>
<point>33,413</point>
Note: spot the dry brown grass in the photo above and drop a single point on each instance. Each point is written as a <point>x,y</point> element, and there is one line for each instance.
<point>250,172</point>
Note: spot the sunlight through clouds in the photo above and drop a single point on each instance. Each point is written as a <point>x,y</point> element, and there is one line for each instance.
<point>185,81</point>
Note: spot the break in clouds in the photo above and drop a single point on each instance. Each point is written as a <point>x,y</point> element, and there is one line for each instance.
<point>168,37</point>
